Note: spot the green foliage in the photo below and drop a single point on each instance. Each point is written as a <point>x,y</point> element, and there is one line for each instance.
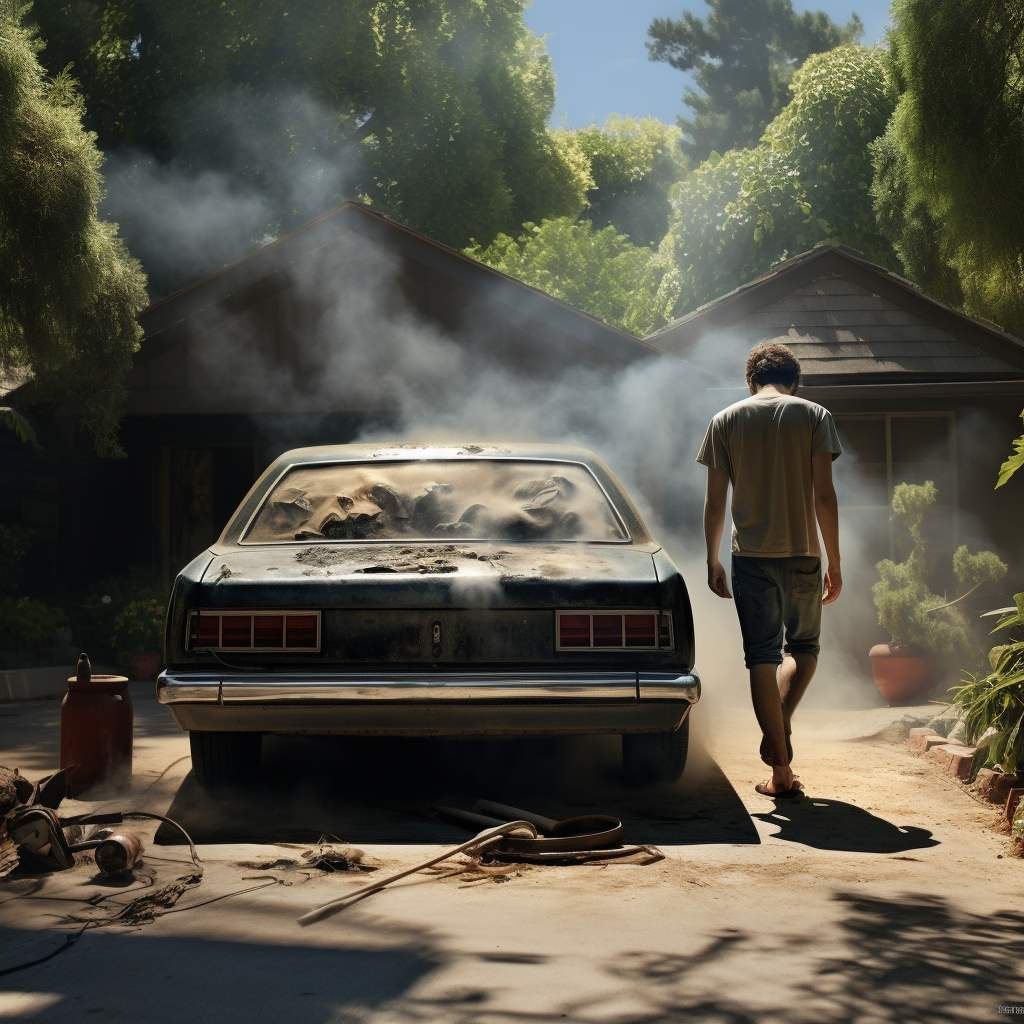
<point>633,163</point>
<point>69,291</point>
<point>27,623</point>
<point>996,700</point>
<point>18,425</point>
<point>808,182</point>
<point>435,111</point>
<point>595,270</point>
<point>15,542</point>
<point>959,131</point>
<point>907,608</point>
<point>96,614</point>
<point>1014,462</point>
<point>743,56</point>
<point>138,627</point>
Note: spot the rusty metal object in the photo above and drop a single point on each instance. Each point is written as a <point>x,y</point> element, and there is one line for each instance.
<point>96,720</point>
<point>38,834</point>
<point>118,851</point>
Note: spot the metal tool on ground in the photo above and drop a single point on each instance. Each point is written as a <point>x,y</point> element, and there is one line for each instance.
<point>116,850</point>
<point>593,827</point>
<point>477,844</point>
<point>599,844</point>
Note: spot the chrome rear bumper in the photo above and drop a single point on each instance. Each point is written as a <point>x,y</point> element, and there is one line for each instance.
<point>429,703</point>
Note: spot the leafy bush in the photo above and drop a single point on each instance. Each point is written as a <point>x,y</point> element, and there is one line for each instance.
<point>138,627</point>
<point>97,612</point>
<point>907,608</point>
<point>28,623</point>
<point>996,701</point>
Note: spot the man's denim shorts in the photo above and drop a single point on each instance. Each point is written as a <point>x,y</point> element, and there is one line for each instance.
<point>775,596</point>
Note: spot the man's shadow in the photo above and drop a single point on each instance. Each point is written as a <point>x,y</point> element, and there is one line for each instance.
<point>834,825</point>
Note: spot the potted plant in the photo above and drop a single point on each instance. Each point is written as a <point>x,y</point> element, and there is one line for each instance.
<point>138,636</point>
<point>926,629</point>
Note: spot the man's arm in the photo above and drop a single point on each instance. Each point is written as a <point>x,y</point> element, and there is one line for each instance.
<point>714,524</point>
<point>826,508</point>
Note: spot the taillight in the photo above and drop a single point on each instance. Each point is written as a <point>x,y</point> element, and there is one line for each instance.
<point>615,631</point>
<point>254,631</point>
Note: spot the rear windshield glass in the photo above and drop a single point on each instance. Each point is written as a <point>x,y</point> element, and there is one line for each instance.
<point>477,500</point>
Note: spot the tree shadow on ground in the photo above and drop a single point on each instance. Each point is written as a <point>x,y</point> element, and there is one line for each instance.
<point>381,791</point>
<point>915,958</point>
<point>834,825</point>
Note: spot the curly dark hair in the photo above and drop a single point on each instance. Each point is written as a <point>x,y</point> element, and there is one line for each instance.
<point>772,363</point>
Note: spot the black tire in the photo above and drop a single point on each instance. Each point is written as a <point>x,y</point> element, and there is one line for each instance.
<point>649,757</point>
<point>220,758</point>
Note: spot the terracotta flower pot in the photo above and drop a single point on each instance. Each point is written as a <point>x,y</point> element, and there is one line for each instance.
<point>903,675</point>
<point>144,666</point>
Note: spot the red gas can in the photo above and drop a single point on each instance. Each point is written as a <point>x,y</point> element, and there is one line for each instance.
<point>96,731</point>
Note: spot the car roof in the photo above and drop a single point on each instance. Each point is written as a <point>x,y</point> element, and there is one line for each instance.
<point>434,450</point>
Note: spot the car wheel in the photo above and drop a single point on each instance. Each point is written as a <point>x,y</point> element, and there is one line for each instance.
<point>225,757</point>
<point>655,756</point>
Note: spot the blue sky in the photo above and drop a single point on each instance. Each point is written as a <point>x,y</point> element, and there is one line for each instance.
<point>597,48</point>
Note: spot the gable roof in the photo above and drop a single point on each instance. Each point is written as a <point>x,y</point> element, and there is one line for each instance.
<point>263,273</point>
<point>850,321</point>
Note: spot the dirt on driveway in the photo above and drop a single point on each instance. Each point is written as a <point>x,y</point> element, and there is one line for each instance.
<point>886,894</point>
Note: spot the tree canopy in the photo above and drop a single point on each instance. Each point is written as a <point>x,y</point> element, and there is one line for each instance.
<point>593,269</point>
<point>808,182</point>
<point>634,163</point>
<point>743,57</point>
<point>951,168</point>
<point>69,291</point>
<point>435,111</point>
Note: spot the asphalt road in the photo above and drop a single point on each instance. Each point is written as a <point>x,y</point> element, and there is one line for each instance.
<point>886,895</point>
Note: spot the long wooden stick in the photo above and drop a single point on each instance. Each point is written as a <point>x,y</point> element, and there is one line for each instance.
<point>483,839</point>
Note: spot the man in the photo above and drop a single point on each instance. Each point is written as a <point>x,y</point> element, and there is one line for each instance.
<point>776,450</point>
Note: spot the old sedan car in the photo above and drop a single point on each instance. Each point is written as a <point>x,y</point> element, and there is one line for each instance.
<point>422,590</point>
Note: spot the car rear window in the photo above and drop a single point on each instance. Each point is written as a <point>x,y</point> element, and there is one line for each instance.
<point>479,499</point>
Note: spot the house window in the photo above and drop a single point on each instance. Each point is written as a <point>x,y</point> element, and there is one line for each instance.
<point>887,449</point>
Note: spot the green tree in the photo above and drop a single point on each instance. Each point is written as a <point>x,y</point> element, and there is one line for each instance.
<point>594,269</point>
<point>953,160</point>
<point>435,111</point>
<point>634,163</point>
<point>743,58</point>
<point>69,291</point>
<point>808,182</point>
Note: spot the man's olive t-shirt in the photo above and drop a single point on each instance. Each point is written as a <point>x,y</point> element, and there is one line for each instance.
<point>766,445</point>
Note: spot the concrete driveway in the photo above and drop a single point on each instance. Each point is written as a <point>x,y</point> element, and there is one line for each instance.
<point>885,895</point>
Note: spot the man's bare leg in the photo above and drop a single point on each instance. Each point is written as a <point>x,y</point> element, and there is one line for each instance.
<point>793,677</point>
<point>767,700</point>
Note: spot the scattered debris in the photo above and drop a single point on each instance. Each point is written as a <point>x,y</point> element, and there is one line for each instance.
<point>333,858</point>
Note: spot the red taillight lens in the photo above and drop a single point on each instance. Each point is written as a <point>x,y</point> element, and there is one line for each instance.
<point>610,631</point>
<point>236,631</point>
<point>607,630</point>
<point>573,630</point>
<point>268,631</point>
<point>208,633</point>
<point>300,631</point>
<point>641,631</point>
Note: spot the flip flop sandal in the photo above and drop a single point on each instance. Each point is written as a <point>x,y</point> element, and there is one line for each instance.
<point>783,794</point>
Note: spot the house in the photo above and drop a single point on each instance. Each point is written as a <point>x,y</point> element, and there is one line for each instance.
<point>241,366</point>
<point>918,391</point>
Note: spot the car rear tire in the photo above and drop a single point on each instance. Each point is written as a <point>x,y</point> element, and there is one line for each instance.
<point>220,758</point>
<point>649,757</point>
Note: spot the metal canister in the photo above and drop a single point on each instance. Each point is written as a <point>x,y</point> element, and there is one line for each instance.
<point>96,724</point>
<point>119,851</point>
